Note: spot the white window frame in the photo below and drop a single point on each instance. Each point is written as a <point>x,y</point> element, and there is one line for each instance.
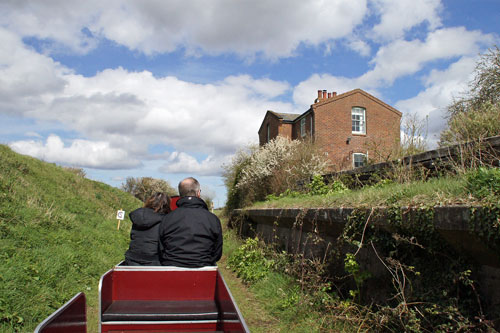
<point>358,116</point>
<point>303,127</point>
<point>364,156</point>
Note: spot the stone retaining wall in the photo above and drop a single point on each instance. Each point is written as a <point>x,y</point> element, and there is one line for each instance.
<point>313,231</point>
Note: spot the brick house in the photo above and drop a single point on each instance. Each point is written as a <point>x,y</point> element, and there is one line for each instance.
<point>350,128</point>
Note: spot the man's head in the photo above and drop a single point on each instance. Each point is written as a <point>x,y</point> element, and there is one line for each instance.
<point>189,187</point>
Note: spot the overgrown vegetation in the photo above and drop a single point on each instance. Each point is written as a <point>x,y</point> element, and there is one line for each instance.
<point>280,165</point>
<point>433,288</point>
<point>476,115</point>
<point>58,236</point>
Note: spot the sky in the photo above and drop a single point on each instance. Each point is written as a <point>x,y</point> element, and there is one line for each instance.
<point>171,89</point>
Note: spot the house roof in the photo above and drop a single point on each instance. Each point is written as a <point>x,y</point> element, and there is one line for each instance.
<point>285,116</point>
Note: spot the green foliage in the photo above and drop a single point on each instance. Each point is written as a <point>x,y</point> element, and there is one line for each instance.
<point>483,182</point>
<point>249,261</point>
<point>58,236</point>
<point>144,187</point>
<point>317,186</point>
<point>352,267</point>
<point>287,194</point>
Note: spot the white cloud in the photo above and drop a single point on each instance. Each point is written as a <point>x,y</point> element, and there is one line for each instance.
<point>441,87</point>
<point>180,162</point>
<point>132,110</point>
<point>81,153</point>
<point>358,45</point>
<point>398,59</point>
<point>247,28</point>
<point>399,16</point>
<point>403,57</point>
<point>26,76</point>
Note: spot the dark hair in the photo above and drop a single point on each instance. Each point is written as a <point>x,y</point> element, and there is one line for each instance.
<point>159,202</point>
<point>189,187</point>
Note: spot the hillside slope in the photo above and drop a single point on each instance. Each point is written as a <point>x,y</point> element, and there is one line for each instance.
<point>58,234</point>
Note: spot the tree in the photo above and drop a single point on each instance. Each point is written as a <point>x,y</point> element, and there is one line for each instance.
<point>414,135</point>
<point>476,115</point>
<point>143,187</point>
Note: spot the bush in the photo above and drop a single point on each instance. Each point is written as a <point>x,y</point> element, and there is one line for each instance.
<point>483,182</point>
<point>280,165</point>
<point>318,187</point>
<point>249,261</point>
<point>143,187</point>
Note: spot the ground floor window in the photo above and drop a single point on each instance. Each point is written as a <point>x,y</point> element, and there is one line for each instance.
<point>359,160</point>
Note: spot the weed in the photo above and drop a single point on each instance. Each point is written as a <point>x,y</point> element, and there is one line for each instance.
<point>483,182</point>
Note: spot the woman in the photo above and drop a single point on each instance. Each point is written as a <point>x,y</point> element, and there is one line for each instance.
<point>144,236</point>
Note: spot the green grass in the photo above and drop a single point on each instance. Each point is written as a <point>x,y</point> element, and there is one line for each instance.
<point>434,192</point>
<point>58,236</point>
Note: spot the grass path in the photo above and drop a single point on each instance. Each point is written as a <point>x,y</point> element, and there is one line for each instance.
<point>256,317</point>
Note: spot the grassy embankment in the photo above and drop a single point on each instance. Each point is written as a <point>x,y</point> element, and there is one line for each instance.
<point>58,235</point>
<point>443,191</point>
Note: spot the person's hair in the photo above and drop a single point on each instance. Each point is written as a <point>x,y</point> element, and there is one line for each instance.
<point>159,202</point>
<point>189,187</point>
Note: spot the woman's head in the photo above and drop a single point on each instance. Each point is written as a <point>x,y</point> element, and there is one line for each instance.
<point>159,202</point>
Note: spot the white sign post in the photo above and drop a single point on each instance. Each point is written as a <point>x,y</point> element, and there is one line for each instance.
<point>120,215</point>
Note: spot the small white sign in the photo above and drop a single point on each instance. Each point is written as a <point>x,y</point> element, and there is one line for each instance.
<point>120,215</point>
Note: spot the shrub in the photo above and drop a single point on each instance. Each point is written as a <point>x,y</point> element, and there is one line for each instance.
<point>143,187</point>
<point>278,166</point>
<point>249,261</point>
<point>317,186</point>
<point>483,182</point>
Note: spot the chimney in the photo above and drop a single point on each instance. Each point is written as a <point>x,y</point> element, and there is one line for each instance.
<point>329,95</point>
<point>320,93</point>
<point>324,94</point>
<point>334,94</point>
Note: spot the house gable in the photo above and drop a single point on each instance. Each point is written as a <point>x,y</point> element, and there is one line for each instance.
<point>275,124</point>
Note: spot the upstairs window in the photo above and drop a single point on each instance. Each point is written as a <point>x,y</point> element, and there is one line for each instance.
<point>303,127</point>
<point>358,116</point>
<point>359,160</point>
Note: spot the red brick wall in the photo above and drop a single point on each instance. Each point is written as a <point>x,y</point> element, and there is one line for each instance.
<point>296,128</point>
<point>333,127</point>
<point>276,127</point>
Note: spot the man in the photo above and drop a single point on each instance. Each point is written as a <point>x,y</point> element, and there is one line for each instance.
<point>190,236</point>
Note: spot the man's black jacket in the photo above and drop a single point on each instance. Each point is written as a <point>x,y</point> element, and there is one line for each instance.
<point>190,236</point>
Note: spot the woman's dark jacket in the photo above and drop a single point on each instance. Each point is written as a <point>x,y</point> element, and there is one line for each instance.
<point>144,238</point>
<point>191,236</point>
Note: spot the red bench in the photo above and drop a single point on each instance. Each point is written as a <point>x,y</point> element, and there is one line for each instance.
<point>163,299</point>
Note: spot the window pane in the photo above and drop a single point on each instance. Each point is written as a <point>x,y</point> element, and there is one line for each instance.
<point>359,160</point>
<point>358,120</point>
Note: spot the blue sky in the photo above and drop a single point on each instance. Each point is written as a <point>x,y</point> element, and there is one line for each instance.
<point>170,89</point>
